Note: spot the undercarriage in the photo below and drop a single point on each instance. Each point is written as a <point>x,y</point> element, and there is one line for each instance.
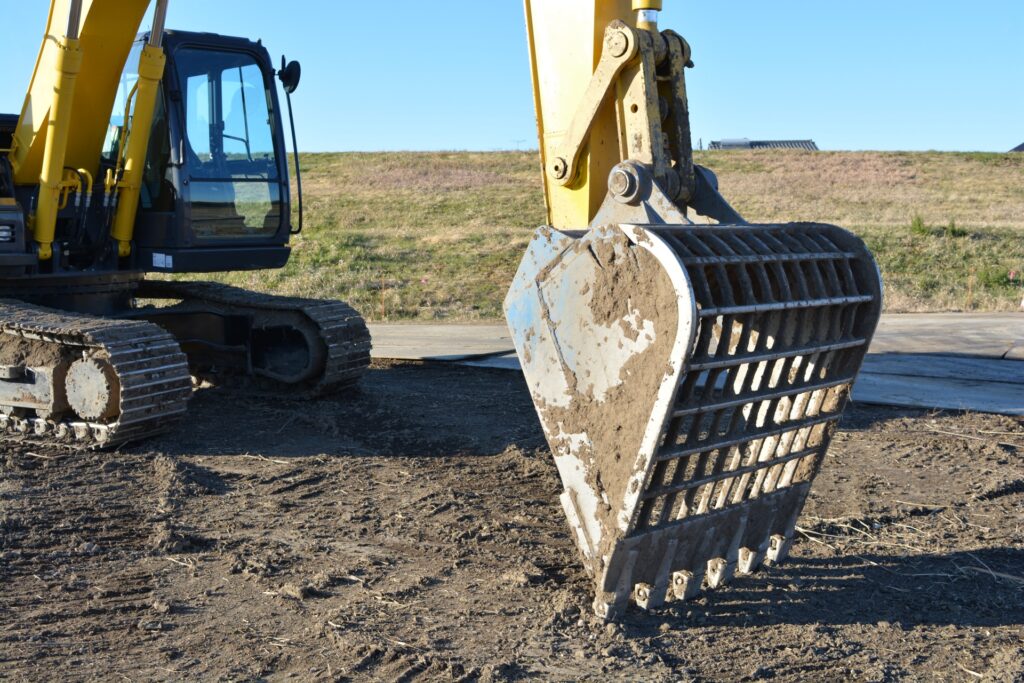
<point>87,380</point>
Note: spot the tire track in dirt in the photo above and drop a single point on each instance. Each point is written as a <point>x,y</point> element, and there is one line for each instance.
<point>70,547</point>
<point>412,531</point>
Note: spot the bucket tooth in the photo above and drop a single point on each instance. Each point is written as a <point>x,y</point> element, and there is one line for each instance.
<point>778,550</point>
<point>645,598</point>
<point>686,585</point>
<point>720,572</point>
<point>749,560</point>
<point>722,569</point>
<point>611,605</point>
<point>688,380</point>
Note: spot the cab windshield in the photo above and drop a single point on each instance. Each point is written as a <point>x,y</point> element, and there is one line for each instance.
<point>229,150</point>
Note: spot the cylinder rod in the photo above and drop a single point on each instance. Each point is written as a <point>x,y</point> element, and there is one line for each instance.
<point>151,72</point>
<point>74,19</point>
<point>156,33</point>
<point>647,14</point>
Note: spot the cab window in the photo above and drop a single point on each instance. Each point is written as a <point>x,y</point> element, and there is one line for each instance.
<point>157,192</point>
<point>231,160</point>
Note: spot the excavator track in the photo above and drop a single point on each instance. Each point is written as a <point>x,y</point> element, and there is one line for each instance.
<point>336,333</point>
<point>142,375</point>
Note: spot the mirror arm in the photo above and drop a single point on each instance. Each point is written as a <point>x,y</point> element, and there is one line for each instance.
<point>295,152</point>
<point>289,76</point>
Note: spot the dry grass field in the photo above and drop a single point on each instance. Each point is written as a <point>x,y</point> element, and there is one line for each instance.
<point>439,235</point>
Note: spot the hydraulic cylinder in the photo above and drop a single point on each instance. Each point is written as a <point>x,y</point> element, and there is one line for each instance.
<point>151,71</point>
<point>69,63</point>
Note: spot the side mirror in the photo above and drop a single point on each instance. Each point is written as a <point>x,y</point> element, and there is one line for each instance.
<point>290,75</point>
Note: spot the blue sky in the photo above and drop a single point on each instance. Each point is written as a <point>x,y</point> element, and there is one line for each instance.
<point>453,74</point>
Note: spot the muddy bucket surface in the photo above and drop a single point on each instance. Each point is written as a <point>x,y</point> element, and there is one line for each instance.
<point>688,380</point>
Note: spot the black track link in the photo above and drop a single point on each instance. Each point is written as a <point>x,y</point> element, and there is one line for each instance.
<point>153,374</point>
<point>341,329</point>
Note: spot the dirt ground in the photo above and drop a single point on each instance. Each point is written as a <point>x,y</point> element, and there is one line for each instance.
<point>411,531</point>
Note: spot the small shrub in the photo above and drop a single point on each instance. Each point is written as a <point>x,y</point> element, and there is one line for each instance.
<point>952,231</point>
<point>994,278</point>
<point>918,227</point>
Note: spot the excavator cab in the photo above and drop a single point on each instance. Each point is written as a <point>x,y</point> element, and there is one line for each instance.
<point>688,376</point>
<point>215,191</point>
<point>190,174</point>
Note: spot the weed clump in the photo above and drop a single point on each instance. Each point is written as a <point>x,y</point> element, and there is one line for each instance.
<point>918,227</point>
<point>952,230</point>
<point>995,278</point>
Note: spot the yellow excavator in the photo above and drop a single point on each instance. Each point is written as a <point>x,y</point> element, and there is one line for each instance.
<point>688,367</point>
<point>136,154</point>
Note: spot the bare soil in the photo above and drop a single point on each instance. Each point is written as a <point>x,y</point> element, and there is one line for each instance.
<point>412,531</point>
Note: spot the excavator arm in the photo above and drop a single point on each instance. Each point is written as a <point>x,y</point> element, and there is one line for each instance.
<point>67,107</point>
<point>688,377</point>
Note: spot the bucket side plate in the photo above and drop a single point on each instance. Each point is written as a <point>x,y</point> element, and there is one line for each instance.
<point>602,323</point>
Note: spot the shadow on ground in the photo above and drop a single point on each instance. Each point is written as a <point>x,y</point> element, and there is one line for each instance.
<point>979,588</point>
<point>398,410</point>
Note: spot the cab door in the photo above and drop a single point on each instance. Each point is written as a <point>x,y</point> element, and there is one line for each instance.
<point>231,166</point>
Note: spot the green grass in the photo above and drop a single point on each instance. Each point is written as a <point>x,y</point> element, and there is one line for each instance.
<point>433,236</point>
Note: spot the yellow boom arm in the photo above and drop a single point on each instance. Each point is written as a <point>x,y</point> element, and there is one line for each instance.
<point>67,108</point>
<point>566,42</point>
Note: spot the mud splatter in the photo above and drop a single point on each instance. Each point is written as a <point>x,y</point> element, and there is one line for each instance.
<point>630,285</point>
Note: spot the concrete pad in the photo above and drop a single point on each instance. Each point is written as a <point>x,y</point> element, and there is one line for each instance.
<point>508,361</point>
<point>984,385</point>
<point>992,335</point>
<point>947,361</point>
<point>941,366</point>
<point>973,334</point>
<point>1001,398</point>
<point>440,342</point>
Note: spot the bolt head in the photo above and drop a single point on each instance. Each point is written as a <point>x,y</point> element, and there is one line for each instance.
<point>559,168</point>
<point>617,44</point>
<point>623,183</point>
<point>619,182</point>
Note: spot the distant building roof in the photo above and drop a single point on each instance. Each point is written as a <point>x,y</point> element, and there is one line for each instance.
<point>1018,148</point>
<point>744,143</point>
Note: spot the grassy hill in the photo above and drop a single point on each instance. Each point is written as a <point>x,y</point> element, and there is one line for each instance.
<point>439,235</point>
